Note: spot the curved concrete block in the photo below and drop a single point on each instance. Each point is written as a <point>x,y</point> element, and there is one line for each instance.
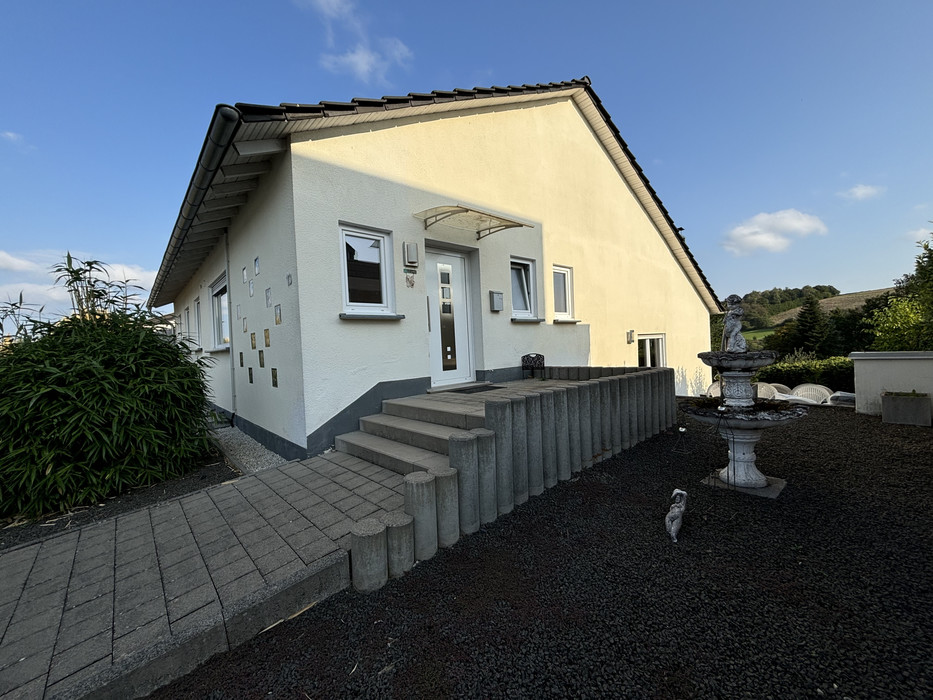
<point>400,542</point>
<point>421,504</point>
<point>447,500</point>
<point>368,566</point>
<point>486,461</point>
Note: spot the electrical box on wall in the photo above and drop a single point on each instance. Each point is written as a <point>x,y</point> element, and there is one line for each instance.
<point>411,254</point>
<point>495,301</point>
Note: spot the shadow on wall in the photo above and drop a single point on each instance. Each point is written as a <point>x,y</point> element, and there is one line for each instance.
<point>695,386</point>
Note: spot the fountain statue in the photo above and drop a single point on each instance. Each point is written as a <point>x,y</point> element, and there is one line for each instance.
<point>741,419</point>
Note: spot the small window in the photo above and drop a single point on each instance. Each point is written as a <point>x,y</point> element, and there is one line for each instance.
<point>523,288</point>
<point>186,328</point>
<point>651,351</point>
<point>563,292</point>
<point>197,322</point>
<point>367,271</point>
<point>220,312</point>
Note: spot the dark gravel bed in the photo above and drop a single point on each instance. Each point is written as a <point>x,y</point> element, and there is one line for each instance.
<point>825,591</point>
<point>15,532</point>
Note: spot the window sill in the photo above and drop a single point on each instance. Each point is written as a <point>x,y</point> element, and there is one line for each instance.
<point>566,320</point>
<point>527,320</point>
<point>222,348</point>
<point>371,317</point>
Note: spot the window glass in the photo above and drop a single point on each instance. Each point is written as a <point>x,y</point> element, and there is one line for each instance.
<point>651,351</point>
<point>220,312</point>
<point>367,270</point>
<point>522,288</point>
<point>563,292</point>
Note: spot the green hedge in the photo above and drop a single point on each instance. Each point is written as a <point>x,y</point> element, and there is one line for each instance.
<point>90,407</point>
<point>837,373</point>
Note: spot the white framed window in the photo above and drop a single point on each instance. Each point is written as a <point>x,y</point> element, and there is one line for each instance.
<point>220,313</point>
<point>186,324</point>
<point>367,270</point>
<point>651,350</point>
<point>563,292</point>
<point>197,322</point>
<point>523,288</point>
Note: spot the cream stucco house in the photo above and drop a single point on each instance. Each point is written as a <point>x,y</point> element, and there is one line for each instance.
<point>328,256</point>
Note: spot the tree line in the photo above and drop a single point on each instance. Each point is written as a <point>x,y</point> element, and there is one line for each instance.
<point>901,319</point>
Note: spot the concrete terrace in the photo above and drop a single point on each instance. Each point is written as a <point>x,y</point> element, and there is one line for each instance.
<point>121,607</point>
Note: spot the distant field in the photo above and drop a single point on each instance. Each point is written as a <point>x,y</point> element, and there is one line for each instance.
<point>758,333</point>
<point>841,301</point>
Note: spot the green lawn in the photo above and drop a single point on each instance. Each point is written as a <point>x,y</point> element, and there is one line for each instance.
<point>758,333</point>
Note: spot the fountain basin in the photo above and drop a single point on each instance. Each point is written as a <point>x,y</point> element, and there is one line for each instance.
<point>726,361</point>
<point>742,429</point>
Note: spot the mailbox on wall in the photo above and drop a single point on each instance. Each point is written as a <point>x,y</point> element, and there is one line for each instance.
<point>495,301</point>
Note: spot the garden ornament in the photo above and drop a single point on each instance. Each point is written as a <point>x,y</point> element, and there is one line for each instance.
<point>675,516</point>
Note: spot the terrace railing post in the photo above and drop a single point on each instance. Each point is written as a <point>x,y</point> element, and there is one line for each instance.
<point>464,458</point>
<point>519,450</point>
<point>499,420</point>
<point>573,427</point>
<point>486,459</point>
<point>421,504</point>
<point>562,433</point>
<point>533,420</point>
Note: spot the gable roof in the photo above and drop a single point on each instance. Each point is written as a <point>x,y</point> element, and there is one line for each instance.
<point>241,139</point>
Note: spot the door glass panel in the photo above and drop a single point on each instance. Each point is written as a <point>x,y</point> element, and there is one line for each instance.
<point>560,293</point>
<point>448,330</point>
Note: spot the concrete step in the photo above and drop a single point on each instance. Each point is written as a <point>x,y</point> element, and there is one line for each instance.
<point>400,458</point>
<point>428,436</point>
<point>464,416</point>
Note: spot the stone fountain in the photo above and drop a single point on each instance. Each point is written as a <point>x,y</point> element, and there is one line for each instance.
<point>741,418</point>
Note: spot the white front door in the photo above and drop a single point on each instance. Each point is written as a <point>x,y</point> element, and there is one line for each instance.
<point>451,348</point>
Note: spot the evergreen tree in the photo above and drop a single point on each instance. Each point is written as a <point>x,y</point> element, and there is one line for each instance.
<point>812,333</point>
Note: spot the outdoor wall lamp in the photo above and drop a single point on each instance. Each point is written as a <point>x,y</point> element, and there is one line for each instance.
<point>630,337</point>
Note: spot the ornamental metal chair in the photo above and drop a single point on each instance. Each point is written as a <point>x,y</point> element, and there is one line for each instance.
<point>814,392</point>
<point>533,363</point>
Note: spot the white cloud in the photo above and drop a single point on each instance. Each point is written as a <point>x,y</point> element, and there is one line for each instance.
<point>772,232</point>
<point>11,137</point>
<point>9,262</point>
<point>369,59</point>
<point>862,192</point>
<point>917,234</point>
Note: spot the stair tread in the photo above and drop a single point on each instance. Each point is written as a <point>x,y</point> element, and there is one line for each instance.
<point>413,425</point>
<point>417,457</point>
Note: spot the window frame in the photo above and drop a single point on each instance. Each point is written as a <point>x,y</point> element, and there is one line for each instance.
<point>662,349</point>
<point>220,302</point>
<point>197,322</point>
<point>527,267</point>
<point>567,273</point>
<point>386,272</point>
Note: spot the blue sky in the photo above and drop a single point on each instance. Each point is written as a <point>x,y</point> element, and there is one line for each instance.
<point>791,140</point>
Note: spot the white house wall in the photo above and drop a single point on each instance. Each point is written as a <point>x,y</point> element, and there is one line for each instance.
<point>264,229</point>
<point>539,164</point>
<point>218,361</point>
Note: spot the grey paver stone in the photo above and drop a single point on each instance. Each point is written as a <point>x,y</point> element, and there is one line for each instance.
<point>190,601</point>
<point>316,550</point>
<point>338,530</point>
<point>236,589</point>
<point>232,571</point>
<point>33,689</point>
<point>75,632</point>
<point>89,671</point>
<point>211,612</point>
<point>393,502</point>
<point>140,637</point>
<point>129,620</point>
<point>231,554</point>
<point>38,643</point>
<point>24,669</point>
<point>275,559</point>
<point>362,510</point>
<point>77,657</point>
<point>366,488</point>
<point>284,571</point>
<point>349,502</point>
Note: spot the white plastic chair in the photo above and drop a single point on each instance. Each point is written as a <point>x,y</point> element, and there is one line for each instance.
<point>781,388</point>
<point>814,392</point>
<point>714,390</point>
<point>765,390</point>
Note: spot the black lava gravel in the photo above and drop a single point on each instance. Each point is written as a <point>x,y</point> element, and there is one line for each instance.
<point>825,591</point>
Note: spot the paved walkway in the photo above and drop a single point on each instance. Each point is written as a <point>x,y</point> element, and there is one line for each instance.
<point>119,607</point>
